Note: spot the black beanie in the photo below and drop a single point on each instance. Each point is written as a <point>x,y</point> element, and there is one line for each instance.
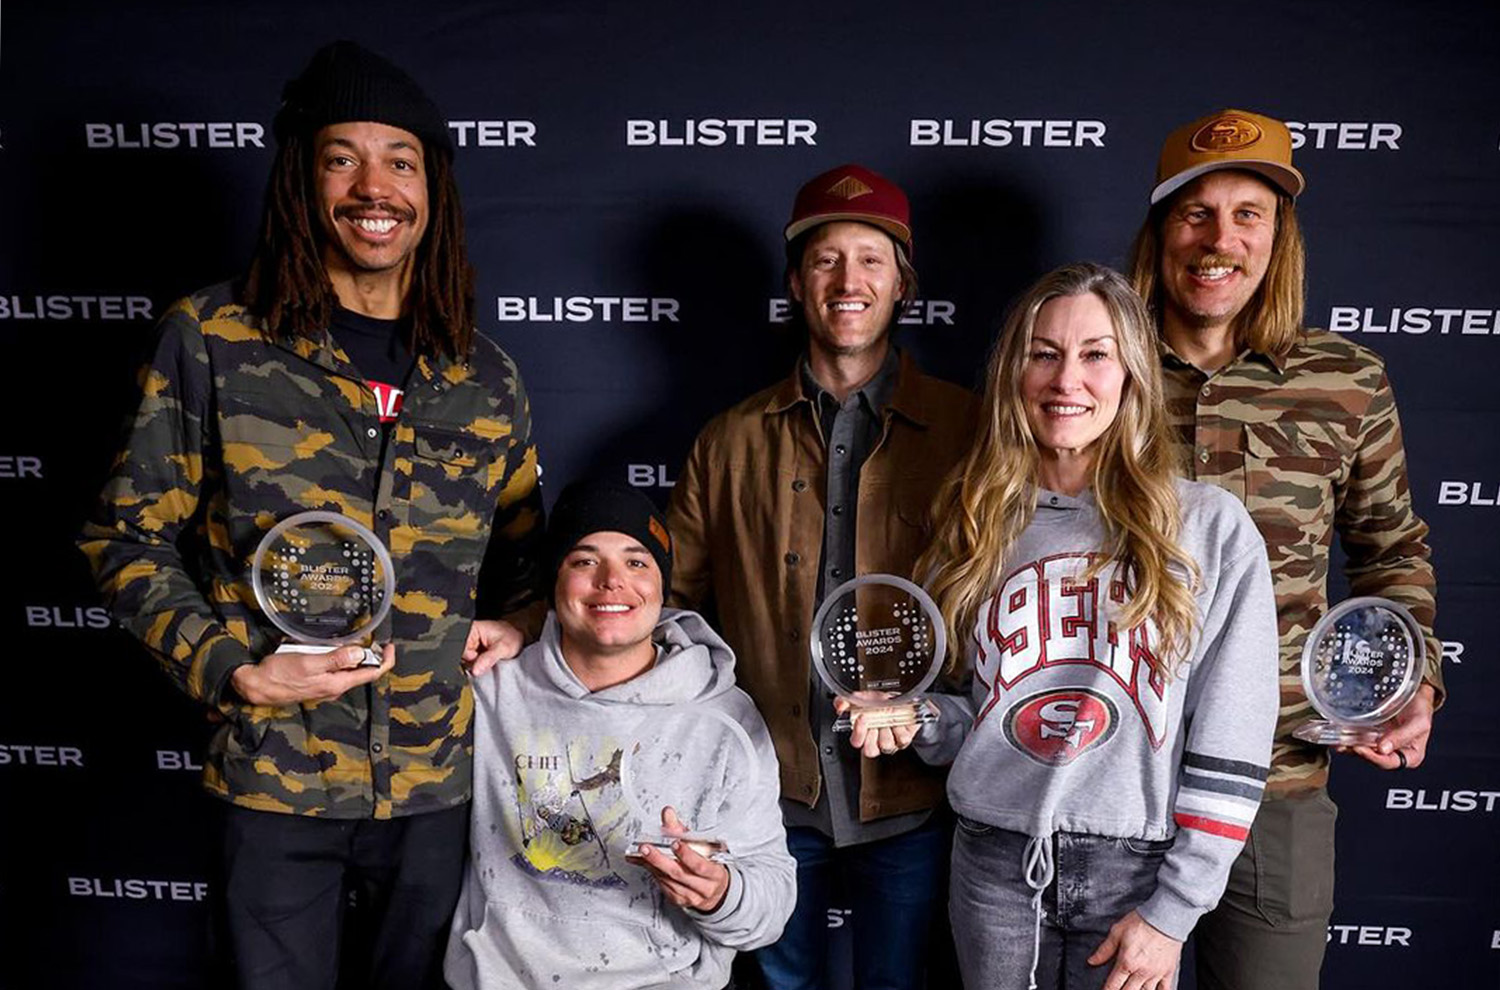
<point>345,82</point>
<point>586,507</point>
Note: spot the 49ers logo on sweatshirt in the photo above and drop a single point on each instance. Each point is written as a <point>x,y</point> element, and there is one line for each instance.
<point>1057,727</point>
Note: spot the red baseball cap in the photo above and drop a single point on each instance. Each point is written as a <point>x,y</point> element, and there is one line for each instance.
<point>852,192</point>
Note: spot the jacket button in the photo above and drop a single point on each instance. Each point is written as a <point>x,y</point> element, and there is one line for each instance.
<point>376,748</point>
<point>372,433</point>
<point>840,449</point>
<point>383,514</point>
<point>792,557</point>
<point>838,510</point>
<point>799,485</point>
<point>828,750</point>
<point>1203,455</point>
<point>836,573</point>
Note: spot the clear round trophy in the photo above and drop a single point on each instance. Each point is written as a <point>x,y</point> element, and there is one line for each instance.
<point>691,758</point>
<point>325,581</point>
<point>878,642</point>
<point>1361,666</point>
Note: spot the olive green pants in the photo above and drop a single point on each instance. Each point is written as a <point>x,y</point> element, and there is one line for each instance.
<point>1270,928</point>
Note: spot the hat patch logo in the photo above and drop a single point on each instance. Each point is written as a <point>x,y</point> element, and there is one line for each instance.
<point>1055,728</point>
<point>849,188</point>
<point>1226,133</point>
<point>660,532</point>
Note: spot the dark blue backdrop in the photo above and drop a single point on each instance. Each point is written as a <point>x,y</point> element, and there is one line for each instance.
<point>133,150</point>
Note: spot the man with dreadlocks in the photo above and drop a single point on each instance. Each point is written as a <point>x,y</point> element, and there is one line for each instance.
<point>344,374</point>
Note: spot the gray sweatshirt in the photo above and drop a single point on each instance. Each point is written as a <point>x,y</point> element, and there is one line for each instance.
<point>565,780</point>
<point>1064,728</point>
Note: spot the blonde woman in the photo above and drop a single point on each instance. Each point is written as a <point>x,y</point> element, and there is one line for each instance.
<point>1118,632</point>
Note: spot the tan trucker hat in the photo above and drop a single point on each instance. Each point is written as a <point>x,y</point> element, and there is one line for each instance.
<point>1227,139</point>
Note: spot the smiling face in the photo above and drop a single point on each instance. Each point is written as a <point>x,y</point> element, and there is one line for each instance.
<point>371,199</point>
<point>1072,381</point>
<point>608,597</point>
<point>849,286</point>
<point>1216,245</point>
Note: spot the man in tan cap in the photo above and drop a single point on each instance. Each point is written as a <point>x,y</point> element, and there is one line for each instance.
<point>784,497</point>
<point>1301,424</point>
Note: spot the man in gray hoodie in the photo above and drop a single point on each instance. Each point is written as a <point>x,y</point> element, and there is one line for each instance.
<point>625,827</point>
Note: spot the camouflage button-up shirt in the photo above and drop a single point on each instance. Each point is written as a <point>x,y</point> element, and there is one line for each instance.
<point>1311,443</point>
<point>235,433</point>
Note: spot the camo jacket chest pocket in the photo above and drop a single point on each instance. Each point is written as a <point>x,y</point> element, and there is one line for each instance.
<point>1292,472</point>
<point>451,479</point>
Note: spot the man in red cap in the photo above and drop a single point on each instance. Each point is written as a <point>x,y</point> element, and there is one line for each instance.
<point>1301,424</point>
<point>784,497</point>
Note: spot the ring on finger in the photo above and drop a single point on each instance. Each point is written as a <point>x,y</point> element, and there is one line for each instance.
<point>1401,759</point>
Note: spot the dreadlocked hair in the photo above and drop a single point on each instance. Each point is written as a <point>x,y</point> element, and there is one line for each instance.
<point>289,288</point>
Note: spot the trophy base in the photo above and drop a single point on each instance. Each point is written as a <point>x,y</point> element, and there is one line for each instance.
<point>887,716</point>
<point>371,658</point>
<point>1325,733</point>
<point>705,846</point>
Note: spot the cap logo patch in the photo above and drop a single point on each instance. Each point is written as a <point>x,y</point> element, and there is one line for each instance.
<point>660,533</point>
<point>1055,728</point>
<point>849,188</point>
<point>1227,133</point>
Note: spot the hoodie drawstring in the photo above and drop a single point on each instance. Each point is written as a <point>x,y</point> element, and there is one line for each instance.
<point>1037,868</point>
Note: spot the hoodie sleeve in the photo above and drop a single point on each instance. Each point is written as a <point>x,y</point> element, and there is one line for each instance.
<point>763,876</point>
<point>1230,716</point>
<point>937,743</point>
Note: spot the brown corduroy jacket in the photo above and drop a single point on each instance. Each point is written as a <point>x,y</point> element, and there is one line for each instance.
<point>747,518</point>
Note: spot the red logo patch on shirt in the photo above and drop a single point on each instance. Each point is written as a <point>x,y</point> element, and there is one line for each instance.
<point>1056,727</point>
<point>387,400</point>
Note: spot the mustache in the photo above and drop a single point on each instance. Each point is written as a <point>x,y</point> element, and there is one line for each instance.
<point>1220,261</point>
<point>404,213</point>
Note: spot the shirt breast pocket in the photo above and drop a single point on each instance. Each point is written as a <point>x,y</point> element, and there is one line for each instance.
<point>451,496</point>
<point>1292,470</point>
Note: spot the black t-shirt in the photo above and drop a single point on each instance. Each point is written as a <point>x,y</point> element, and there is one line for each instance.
<point>380,351</point>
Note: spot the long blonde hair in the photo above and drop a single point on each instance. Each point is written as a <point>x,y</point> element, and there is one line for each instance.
<point>990,497</point>
<point>1271,321</point>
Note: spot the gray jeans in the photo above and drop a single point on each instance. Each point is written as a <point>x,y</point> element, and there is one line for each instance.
<point>1095,882</point>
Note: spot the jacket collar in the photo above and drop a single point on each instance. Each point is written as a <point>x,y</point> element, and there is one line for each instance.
<point>906,399</point>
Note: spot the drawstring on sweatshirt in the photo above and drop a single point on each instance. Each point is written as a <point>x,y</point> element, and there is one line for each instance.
<point>1037,868</point>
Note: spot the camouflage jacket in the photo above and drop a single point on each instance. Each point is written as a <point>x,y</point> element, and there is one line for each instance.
<point>234,433</point>
<point>1311,443</point>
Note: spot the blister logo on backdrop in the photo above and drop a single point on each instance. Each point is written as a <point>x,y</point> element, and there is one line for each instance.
<point>1480,493</point>
<point>61,307</point>
<point>15,467</point>
<point>33,755</point>
<point>168,136</point>
<point>720,132</point>
<point>1421,799</point>
<point>1369,935</point>
<point>919,312</point>
<point>999,132</point>
<point>587,309</point>
<point>493,133</point>
<point>1328,135</point>
<point>1436,321</point>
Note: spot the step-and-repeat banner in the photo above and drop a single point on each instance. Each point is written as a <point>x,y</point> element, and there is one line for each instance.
<point>626,171</point>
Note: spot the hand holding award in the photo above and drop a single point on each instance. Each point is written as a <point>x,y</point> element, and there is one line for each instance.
<point>325,580</point>
<point>877,642</point>
<point>1361,666</point>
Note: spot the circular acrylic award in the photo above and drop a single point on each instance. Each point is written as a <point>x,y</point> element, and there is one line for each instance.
<point>324,580</point>
<point>691,758</point>
<point>878,642</point>
<point>1362,664</point>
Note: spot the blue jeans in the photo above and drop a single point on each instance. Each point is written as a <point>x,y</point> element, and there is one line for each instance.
<point>893,886</point>
<point>1096,881</point>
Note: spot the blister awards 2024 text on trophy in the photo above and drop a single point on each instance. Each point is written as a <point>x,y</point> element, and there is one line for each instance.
<point>1361,666</point>
<point>324,580</point>
<point>877,642</point>
<point>696,760</point>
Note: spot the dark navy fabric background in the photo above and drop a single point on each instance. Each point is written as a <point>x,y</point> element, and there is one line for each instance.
<point>103,866</point>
